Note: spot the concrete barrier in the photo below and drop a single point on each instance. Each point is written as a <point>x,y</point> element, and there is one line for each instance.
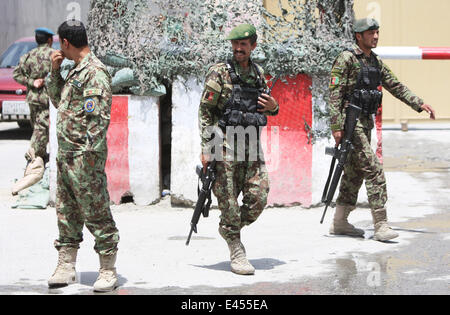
<point>133,164</point>
<point>289,162</point>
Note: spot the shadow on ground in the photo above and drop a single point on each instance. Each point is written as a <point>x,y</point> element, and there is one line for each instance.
<point>16,134</point>
<point>259,264</point>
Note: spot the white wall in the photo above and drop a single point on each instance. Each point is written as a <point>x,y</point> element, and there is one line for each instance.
<point>144,149</point>
<point>185,140</point>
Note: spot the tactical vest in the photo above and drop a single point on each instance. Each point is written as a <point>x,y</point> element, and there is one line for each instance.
<point>241,108</point>
<point>367,93</point>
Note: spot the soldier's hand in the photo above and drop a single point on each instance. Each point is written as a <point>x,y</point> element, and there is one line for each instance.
<point>429,110</point>
<point>337,135</point>
<point>205,158</point>
<point>57,58</point>
<point>267,103</point>
<point>38,83</point>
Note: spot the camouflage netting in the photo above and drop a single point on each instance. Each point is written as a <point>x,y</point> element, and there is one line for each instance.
<point>160,40</point>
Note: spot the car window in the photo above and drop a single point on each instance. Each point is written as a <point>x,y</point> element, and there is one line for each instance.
<point>10,58</point>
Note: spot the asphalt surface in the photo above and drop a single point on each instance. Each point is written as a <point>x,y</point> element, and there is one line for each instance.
<point>292,253</point>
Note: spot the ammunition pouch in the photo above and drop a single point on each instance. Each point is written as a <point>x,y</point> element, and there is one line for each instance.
<point>242,107</point>
<point>368,100</point>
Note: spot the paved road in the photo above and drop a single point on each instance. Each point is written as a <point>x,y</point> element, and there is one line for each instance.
<point>292,252</point>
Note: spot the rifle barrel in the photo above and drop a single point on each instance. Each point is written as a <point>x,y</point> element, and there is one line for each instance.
<point>273,83</point>
<point>323,215</point>
<point>189,237</point>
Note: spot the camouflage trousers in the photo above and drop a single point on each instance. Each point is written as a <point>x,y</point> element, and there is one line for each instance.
<point>82,198</point>
<point>363,165</point>
<point>40,118</point>
<point>232,178</point>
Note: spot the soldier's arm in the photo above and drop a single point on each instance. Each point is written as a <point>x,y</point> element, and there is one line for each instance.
<point>20,74</point>
<point>208,107</point>
<point>54,80</point>
<point>55,83</point>
<point>97,100</point>
<point>399,90</point>
<point>338,89</point>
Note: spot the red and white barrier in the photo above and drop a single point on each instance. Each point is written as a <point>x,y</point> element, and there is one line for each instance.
<point>133,164</point>
<point>406,53</point>
<point>399,52</point>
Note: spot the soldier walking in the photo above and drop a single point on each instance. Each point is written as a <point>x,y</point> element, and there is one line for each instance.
<point>31,72</point>
<point>232,99</point>
<point>356,77</point>
<point>83,101</point>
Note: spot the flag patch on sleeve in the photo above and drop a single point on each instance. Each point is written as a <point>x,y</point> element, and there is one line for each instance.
<point>334,80</point>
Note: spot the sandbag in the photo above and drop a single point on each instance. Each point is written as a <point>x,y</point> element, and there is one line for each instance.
<point>35,197</point>
<point>115,60</point>
<point>122,79</point>
<point>33,172</point>
<point>160,90</point>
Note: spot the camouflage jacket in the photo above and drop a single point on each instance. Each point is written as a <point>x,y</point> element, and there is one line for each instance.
<point>344,75</point>
<point>36,64</point>
<point>84,102</point>
<point>217,91</point>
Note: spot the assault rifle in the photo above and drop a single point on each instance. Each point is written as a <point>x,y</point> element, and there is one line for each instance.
<point>340,153</point>
<point>204,195</point>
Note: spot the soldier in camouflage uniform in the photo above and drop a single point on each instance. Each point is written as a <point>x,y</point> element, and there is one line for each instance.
<point>31,72</point>
<point>363,164</point>
<point>247,175</point>
<point>83,101</point>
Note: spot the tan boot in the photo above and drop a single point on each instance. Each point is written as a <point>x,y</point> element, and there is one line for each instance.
<point>65,273</point>
<point>340,225</point>
<point>382,230</point>
<point>239,263</point>
<point>107,278</point>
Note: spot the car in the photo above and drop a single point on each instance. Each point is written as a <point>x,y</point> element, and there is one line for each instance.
<point>13,106</point>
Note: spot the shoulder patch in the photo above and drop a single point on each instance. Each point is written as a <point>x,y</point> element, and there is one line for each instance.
<point>92,92</point>
<point>214,85</point>
<point>89,105</point>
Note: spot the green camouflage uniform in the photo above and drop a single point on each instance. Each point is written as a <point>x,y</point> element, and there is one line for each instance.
<point>362,163</point>
<point>84,101</point>
<point>36,64</point>
<point>233,177</point>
